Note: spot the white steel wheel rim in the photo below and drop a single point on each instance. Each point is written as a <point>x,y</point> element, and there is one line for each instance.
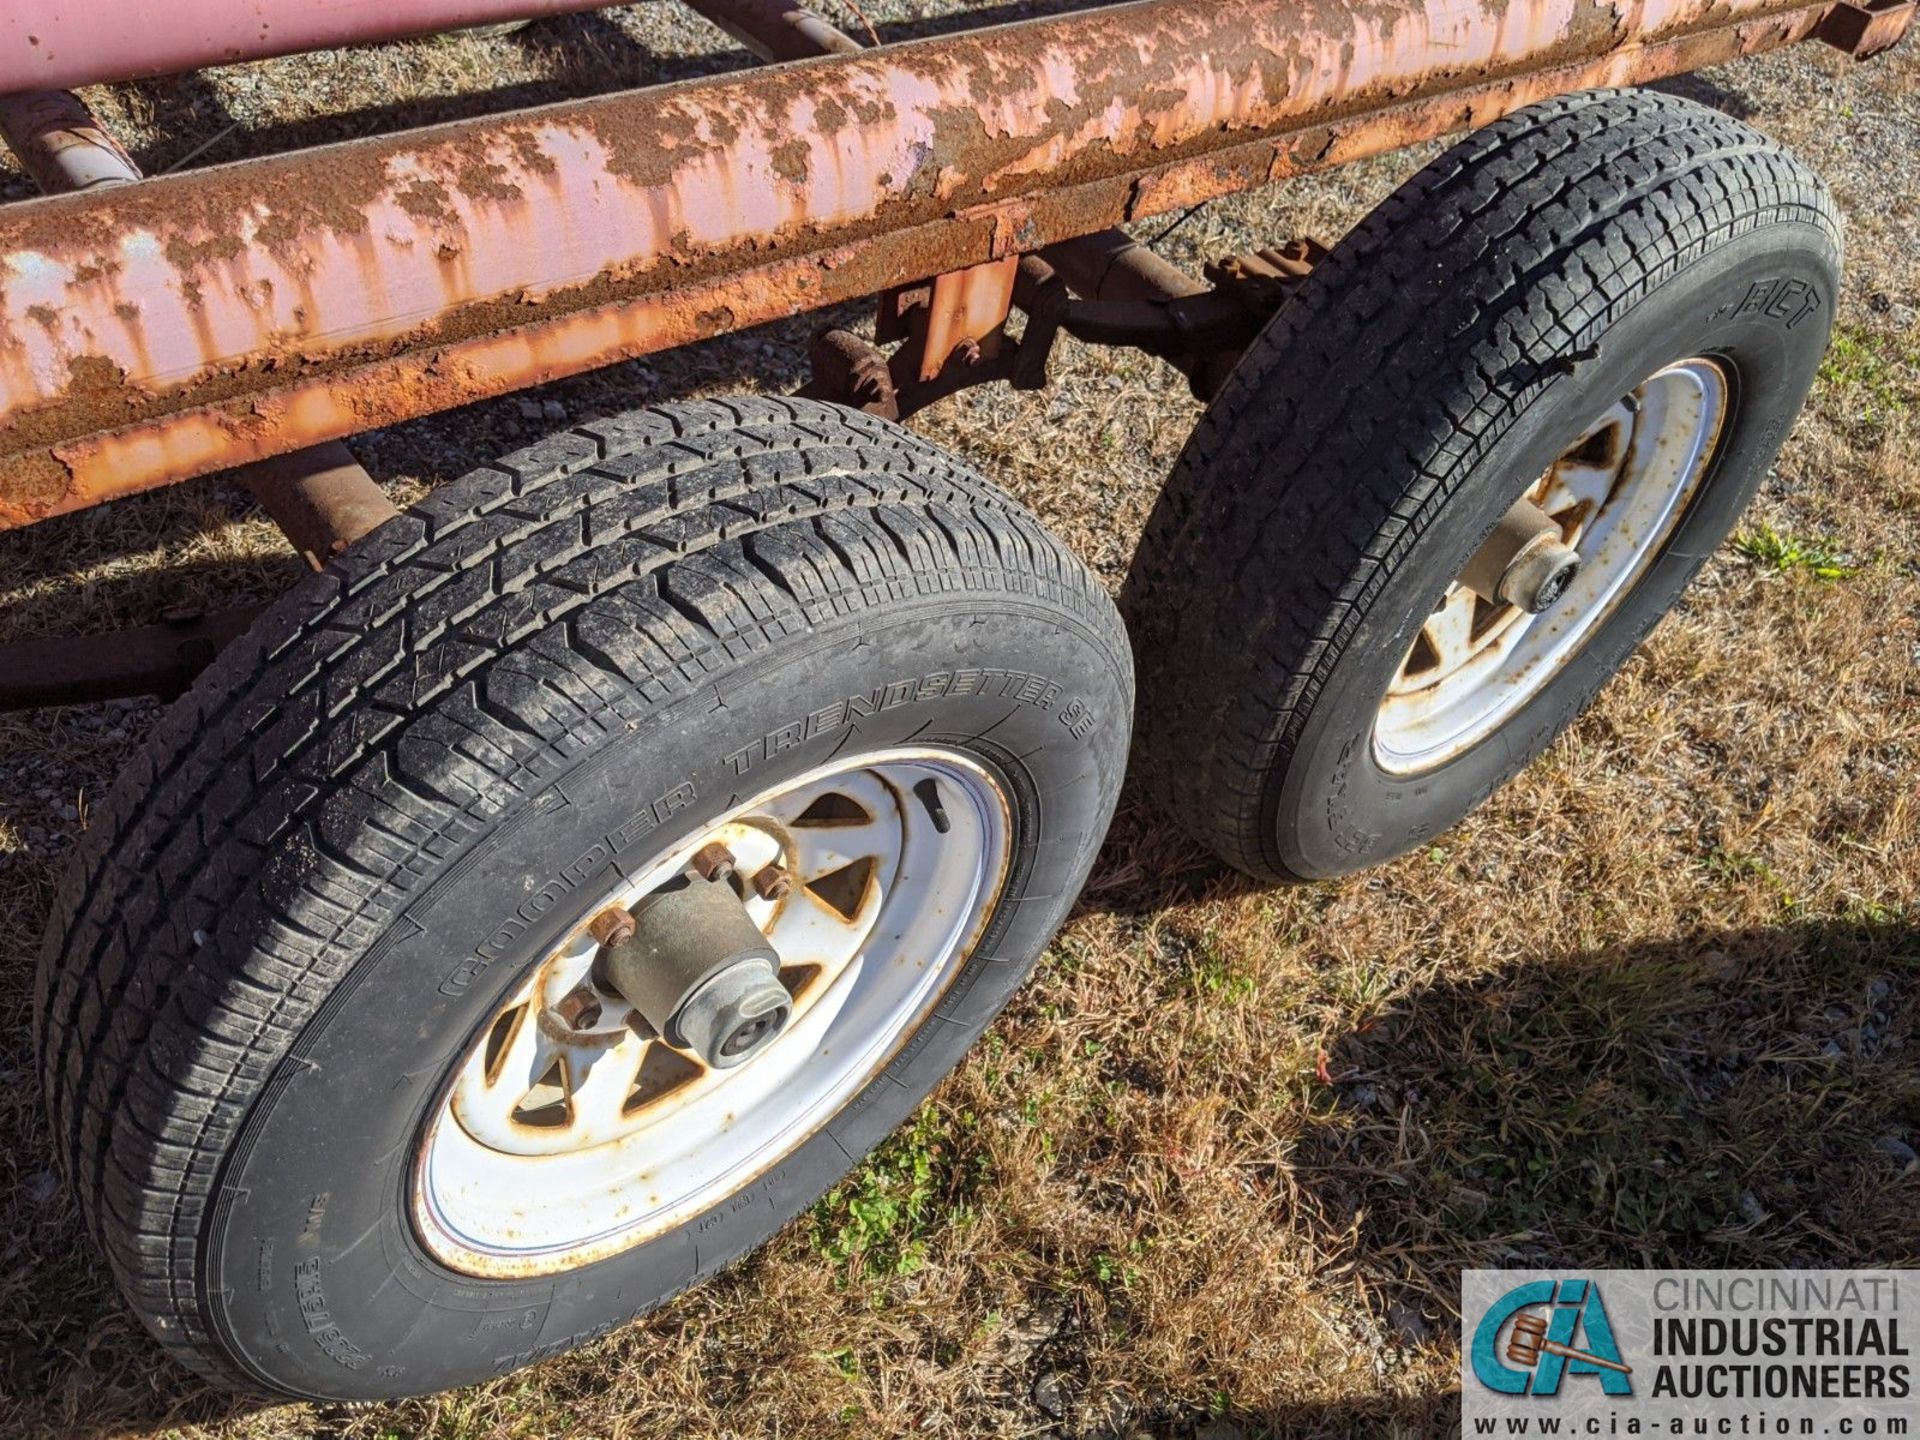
<point>552,1149</point>
<point>1618,494</point>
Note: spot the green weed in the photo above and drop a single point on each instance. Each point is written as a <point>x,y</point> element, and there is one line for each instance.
<point>1819,558</point>
<point>1873,373</point>
<point>878,1220</point>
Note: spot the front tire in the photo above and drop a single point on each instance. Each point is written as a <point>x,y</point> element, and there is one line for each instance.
<point>308,915</point>
<point>1563,277</point>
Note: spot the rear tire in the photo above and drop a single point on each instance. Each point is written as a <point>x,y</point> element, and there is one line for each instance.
<point>302,908</point>
<point>1429,373</point>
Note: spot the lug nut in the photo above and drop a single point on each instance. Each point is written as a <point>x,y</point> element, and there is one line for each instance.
<point>578,1009</point>
<point>771,882</point>
<point>611,927</point>
<point>713,861</point>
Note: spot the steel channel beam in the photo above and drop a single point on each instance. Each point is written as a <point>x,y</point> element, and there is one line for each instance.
<point>153,332</point>
<point>53,44</point>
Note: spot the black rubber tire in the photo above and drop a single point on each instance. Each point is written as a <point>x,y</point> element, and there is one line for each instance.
<point>305,873</point>
<point>1427,372</point>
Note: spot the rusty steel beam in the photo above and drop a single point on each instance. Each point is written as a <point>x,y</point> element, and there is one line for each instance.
<point>964,310</point>
<point>157,331</point>
<point>319,496</point>
<point>53,44</point>
<point>1108,265</point>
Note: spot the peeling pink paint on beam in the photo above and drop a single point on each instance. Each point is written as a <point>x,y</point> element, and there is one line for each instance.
<point>55,44</point>
<point>165,329</point>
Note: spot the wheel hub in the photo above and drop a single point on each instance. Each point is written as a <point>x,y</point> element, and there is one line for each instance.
<point>1557,564</point>
<point>703,1021</point>
<point>1525,562</point>
<point>699,971</point>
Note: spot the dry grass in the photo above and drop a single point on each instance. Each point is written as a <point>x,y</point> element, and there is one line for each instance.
<point>1216,1170</point>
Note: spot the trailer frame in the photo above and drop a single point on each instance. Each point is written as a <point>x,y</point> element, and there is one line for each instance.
<point>254,314</point>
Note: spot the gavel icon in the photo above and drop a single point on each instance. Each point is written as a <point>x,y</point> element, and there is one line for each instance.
<point>1529,1342</point>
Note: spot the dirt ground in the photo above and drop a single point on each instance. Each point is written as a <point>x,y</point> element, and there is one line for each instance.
<point>1216,1171</point>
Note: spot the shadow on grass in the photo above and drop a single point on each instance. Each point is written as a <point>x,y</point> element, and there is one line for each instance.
<point>1722,1098</point>
<point>1719,1099</point>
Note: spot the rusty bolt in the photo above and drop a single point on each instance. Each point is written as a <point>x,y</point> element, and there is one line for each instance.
<point>713,861</point>
<point>612,926</point>
<point>771,882</point>
<point>578,1009</point>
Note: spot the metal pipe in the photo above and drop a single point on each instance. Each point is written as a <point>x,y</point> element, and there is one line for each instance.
<point>1113,267</point>
<point>777,29</point>
<point>156,331</point>
<point>149,660</point>
<point>320,497</point>
<point>60,144</point>
<point>53,44</point>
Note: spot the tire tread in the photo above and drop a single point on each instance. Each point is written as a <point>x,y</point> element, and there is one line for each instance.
<point>1390,372</point>
<point>385,712</point>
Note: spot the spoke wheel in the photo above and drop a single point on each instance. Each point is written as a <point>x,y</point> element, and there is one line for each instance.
<point>1482,449</point>
<point>1617,494</point>
<point>572,1130</point>
<point>365,1112</point>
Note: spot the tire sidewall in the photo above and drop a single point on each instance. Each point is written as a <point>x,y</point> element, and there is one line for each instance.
<point>1761,303</point>
<point>319,1285</point>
